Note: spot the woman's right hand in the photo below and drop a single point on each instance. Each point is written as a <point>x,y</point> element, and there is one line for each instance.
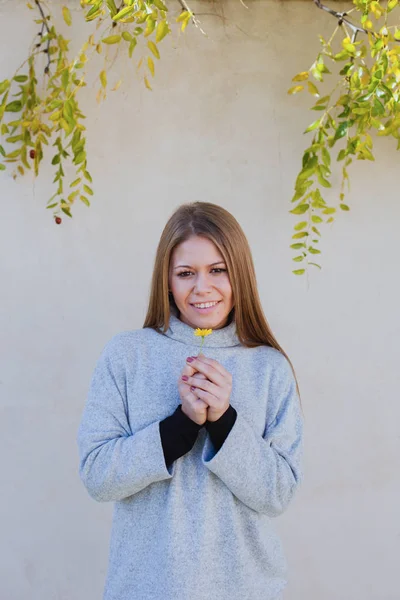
<point>192,407</point>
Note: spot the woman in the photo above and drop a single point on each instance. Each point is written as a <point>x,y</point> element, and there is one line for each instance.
<point>198,451</point>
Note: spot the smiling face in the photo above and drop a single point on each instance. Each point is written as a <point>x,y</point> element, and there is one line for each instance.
<point>198,275</point>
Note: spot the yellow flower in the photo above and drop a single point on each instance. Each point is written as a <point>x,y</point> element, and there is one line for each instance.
<point>202,332</point>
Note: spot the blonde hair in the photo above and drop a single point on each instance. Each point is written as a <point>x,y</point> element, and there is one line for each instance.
<point>220,227</point>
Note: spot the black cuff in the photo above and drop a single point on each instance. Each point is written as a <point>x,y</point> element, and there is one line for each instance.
<point>178,435</point>
<point>219,430</point>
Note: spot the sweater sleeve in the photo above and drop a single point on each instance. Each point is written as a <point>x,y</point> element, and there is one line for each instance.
<point>178,435</point>
<point>114,463</point>
<point>263,471</point>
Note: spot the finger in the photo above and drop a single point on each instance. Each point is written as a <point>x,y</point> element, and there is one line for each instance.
<point>209,371</point>
<point>204,384</point>
<point>208,398</point>
<point>213,363</point>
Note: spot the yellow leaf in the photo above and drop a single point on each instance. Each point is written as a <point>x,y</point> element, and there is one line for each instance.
<point>116,86</point>
<point>153,49</point>
<point>29,5</point>
<point>301,76</point>
<point>183,16</point>
<point>312,89</point>
<point>150,63</point>
<point>295,89</point>
<point>67,15</point>
<point>146,82</point>
<point>112,39</point>
<point>103,79</point>
<point>140,63</point>
<point>99,48</point>
<point>162,30</point>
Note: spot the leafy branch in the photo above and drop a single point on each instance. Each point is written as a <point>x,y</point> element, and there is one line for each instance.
<point>364,102</point>
<point>33,122</point>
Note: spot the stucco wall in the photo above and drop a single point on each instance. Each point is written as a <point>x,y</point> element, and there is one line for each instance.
<point>218,126</point>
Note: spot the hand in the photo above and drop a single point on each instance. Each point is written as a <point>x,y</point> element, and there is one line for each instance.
<point>192,406</point>
<point>215,390</point>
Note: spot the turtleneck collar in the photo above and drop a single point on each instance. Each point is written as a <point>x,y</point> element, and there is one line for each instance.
<point>220,338</point>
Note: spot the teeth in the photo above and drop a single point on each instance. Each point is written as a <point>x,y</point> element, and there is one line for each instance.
<point>205,304</point>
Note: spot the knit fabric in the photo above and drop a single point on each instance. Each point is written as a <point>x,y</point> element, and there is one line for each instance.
<point>202,527</point>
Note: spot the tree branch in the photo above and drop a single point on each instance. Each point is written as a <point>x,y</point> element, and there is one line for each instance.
<point>340,16</point>
<point>45,26</point>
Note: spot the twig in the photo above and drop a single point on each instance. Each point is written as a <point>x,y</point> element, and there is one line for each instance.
<point>195,21</point>
<point>46,26</point>
<point>340,16</point>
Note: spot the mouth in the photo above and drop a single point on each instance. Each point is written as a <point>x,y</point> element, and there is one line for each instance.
<point>205,307</point>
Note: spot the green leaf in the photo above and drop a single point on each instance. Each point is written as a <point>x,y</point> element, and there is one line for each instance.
<point>341,130</point>
<point>21,78</point>
<point>298,258</point>
<point>123,14</point>
<point>85,200</point>
<point>297,246</point>
<point>112,39</point>
<point>66,211</point>
<point>2,151</point>
<point>300,225</point>
<point>316,219</point>
<point>66,15</point>
<point>313,126</point>
<point>160,5</point>
<point>15,106</point>
<point>153,48</point>
<point>87,176</point>
<point>299,271</point>
<point>4,85</point>
<point>298,236</point>
<point>79,158</point>
<point>2,167</point>
<point>132,46</point>
<point>326,157</point>
<point>56,159</point>
<point>329,211</point>
<point>88,190</point>
<point>127,36</point>
<point>314,250</point>
<point>112,7</point>
<point>315,265</point>
<point>300,210</point>
<point>75,182</point>
<point>344,207</point>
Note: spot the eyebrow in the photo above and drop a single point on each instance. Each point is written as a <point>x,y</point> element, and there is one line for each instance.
<point>220,262</point>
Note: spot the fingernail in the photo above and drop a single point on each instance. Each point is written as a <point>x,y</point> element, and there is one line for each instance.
<point>185,378</point>
<point>190,359</point>
<point>192,388</point>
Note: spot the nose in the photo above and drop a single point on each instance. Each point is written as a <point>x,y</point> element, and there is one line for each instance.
<point>202,284</point>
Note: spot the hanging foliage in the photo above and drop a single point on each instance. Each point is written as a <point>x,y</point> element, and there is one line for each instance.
<point>363,101</point>
<point>33,123</point>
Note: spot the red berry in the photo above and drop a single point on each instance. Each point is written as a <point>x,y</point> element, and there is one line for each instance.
<point>32,153</point>
<point>58,220</point>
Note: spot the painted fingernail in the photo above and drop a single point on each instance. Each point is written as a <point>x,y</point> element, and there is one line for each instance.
<point>190,359</point>
<point>192,388</point>
<point>185,378</point>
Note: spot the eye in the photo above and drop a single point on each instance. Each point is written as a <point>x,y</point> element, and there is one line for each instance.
<point>217,269</point>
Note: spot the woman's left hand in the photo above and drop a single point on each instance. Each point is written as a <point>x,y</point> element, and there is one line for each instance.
<point>215,390</point>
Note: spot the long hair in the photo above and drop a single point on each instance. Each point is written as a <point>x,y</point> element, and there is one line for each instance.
<point>220,227</point>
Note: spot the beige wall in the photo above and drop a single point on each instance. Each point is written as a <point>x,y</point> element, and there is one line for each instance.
<point>218,126</point>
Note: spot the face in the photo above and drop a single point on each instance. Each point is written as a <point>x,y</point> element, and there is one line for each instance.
<point>198,275</point>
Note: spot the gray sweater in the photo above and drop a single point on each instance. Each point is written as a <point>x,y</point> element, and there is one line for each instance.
<point>200,528</point>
